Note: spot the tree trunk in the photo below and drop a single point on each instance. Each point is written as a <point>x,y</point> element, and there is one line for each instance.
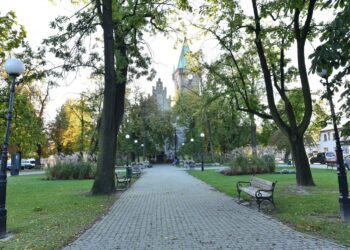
<point>286,155</point>
<point>39,152</point>
<point>82,135</point>
<point>210,137</point>
<point>303,171</point>
<point>294,132</point>
<point>105,180</point>
<point>121,86</point>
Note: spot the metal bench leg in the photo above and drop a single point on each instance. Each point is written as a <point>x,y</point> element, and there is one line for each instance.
<point>259,202</point>
<point>273,202</point>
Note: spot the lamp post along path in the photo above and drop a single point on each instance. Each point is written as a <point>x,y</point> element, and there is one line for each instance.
<point>175,137</point>
<point>192,142</point>
<point>127,137</point>
<point>136,151</point>
<point>202,155</point>
<point>143,151</point>
<point>344,200</point>
<point>175,144</point>
<point>14,68</point>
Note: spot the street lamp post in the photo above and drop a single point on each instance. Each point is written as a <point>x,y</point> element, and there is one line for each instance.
<point>175,143</point>
<point>202,156</point>
<point>175,137</point>
<point>14,68</point>
<point>127,137</point>
<point>192,141</point>
<point>143,151</point>
<point>183,154</point>
<point>136,158</point>
<point>344,200</point>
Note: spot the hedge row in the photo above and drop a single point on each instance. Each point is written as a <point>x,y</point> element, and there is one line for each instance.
<point>71,170</point>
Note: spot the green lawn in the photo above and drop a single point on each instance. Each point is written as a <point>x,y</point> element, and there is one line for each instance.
<point>49,214</point>
<point>313,210</point>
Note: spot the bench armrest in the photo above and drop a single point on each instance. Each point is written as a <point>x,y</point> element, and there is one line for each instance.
<point>258,194</point>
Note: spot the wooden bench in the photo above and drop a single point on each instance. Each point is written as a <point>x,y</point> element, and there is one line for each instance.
<point>189,164</point>
<point>335,164</point>
<point>136,170</point>
<point>257,188</point>
<point>146,164</point>
<point>331,164</point>
<point>122,181</point>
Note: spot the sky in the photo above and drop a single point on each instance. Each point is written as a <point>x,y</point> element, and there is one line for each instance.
<point>35,15</point>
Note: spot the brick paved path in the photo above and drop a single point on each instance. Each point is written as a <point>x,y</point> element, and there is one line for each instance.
<point>169,209</point>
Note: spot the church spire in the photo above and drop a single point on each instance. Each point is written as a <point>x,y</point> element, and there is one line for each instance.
<point>182,60</point>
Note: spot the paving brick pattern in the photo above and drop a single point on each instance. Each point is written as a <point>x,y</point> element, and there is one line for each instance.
<point>169,209</point>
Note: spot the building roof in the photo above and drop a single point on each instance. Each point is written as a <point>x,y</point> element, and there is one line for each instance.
<point>328,128</point>
<point>331,127</point>
<point>182,60</point>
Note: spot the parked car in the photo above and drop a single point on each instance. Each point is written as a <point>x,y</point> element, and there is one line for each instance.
<point>28,163</point>
<point>9,166</point>
<point>347,162</point>
<point>324,158</point>
<point>319,158</point>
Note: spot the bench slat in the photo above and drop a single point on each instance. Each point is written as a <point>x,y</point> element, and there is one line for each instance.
<point>251,191</point>
<point>261,184</point>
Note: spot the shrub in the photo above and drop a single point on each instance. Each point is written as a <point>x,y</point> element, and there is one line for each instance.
<point>241,161</point>
<point>257,164</point>
<point>71,170</point>
<point>269,162</point>
<point>242,165</point>
<point>213,158</point>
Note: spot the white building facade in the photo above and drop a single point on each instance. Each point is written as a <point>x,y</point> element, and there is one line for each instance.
<point>327,140</point>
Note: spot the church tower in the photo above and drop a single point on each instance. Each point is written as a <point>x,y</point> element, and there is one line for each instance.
<point>160,94</point>
<point>183,78</point>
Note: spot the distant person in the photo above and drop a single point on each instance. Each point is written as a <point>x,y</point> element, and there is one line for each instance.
<point>176,161</point>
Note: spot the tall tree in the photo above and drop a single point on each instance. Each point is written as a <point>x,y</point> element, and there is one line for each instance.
<point>229,126</point>
<point>124,23</point>
<point>243,86</point>
<point>104,180</point>
<point>267,29</point>
<point>146,123</point>
<point>57,129</point>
